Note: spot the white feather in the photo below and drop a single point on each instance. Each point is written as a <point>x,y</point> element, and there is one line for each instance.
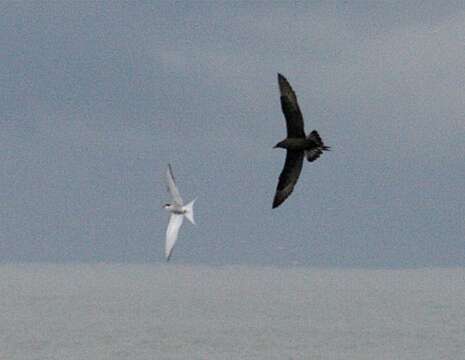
<point>172,233</point>
<point>172,187</point>
<point>189,211</point>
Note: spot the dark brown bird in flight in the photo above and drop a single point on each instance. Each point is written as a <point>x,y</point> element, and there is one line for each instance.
<point>297,143</point>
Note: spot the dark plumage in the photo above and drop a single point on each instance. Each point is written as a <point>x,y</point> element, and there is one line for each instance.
<point>297,144</point>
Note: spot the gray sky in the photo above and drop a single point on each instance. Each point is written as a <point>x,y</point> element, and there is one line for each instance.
<point>96,99</point>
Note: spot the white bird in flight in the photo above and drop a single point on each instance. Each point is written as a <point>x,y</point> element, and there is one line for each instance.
<point>178,210</point>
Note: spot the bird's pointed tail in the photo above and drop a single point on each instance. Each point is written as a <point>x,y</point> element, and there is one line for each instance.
<point>315,137</point>
<point>315,152</point>
<point>189,211</point>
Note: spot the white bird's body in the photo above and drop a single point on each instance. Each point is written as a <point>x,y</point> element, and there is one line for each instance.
<point>178,210</point>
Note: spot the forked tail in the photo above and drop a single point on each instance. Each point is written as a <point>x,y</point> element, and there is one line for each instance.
<point>189,211</point>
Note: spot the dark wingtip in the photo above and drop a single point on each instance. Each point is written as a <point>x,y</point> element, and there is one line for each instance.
<point>169,256</point>
<point>276,202</point>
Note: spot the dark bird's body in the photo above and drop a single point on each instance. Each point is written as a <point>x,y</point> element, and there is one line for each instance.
<point>297,144</point>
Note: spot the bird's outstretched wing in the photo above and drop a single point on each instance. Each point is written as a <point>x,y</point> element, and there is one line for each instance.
<point>291,110</point>
<point>172,233</point>
<point>289,176</point>
<point>172,186</point>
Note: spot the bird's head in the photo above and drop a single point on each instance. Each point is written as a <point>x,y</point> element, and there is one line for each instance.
<point>167,206</point>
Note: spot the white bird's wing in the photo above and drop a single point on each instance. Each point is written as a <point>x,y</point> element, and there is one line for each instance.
<point>172,233</point>
<point>172,186</point>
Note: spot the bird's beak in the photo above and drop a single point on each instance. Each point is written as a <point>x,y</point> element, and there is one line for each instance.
<point>275,147</point>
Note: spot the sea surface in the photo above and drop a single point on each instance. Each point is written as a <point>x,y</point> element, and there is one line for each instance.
<point>110,311</point>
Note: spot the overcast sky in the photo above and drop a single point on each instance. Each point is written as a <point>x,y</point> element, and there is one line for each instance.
<point>97,98</point>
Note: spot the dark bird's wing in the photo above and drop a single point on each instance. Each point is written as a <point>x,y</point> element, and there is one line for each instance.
<point>289,176</point>
<point>294,119</point>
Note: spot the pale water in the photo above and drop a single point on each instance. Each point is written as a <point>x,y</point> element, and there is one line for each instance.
<point>195,312</point>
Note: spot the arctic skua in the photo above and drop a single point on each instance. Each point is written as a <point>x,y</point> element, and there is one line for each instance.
<point>297,144</point>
